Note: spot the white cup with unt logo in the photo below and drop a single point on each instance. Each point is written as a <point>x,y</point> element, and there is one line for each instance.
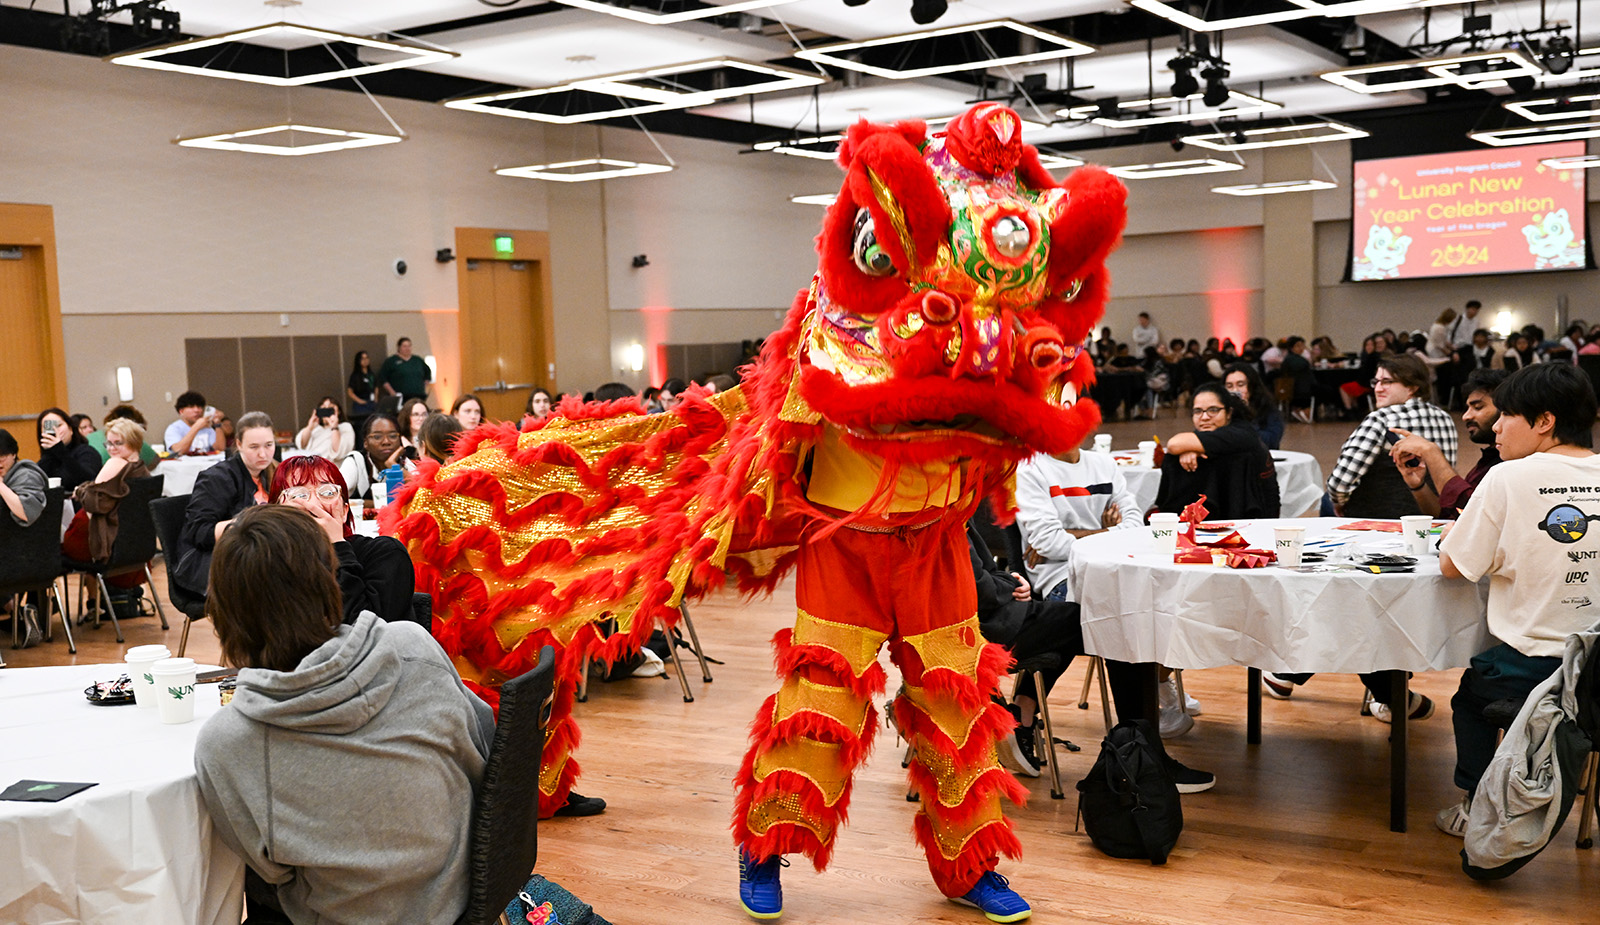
<point>174,689</point>
<point>1417,529</point>
<point>140,660</point>
<point>1147,453</point>
<point>1102,443</point>
<point>1164,532</point>
<point>1289,542</point>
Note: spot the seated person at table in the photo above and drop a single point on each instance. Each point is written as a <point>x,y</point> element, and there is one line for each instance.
<point>375,572</point>
<point>83,424</point>
<point>380,449</point>
<point>22,483</point>
<point>412,414</point>
<point>327,433</point>
<point>325,714</point>
<point>63,452</point>
<point>1364,483</point>
<point>1060,500</point>
<point>439,434</point>
<point>540,403</point>
<point>97,440</point>
<point>1223,458</point>
<point>468,410</point>
<point>193,431</point>
<point>1439,490</point>
<point>1298,368</point>
<point>220,493</point>
<point>1242,380</point>
<point>1525,528</point>
<point>94,527</point>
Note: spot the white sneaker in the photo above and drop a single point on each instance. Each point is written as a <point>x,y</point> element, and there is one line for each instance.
<point>1174,720</point>
<point>1275,687</point>
<point>1452,820</point>
<point>1421,708</point>
<point>1191,706</point>
<point>651,667</point>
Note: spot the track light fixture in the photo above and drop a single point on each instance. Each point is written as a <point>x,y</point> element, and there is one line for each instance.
<point>922,11</point>
<point>1183,82</point>
<point>1216,90</point>
<point>1557,54</point>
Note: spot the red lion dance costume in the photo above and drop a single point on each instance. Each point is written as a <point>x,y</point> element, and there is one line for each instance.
<point>936,346</point>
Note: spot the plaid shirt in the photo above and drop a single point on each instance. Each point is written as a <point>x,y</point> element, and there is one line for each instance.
<point>1366,445</point>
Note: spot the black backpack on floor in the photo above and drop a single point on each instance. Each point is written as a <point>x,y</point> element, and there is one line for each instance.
<point>1128,802</point>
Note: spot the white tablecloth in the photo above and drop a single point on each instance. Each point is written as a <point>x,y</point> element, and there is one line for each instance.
<point>137,848</point>
<point>1139,606</point>
<point>180,472</point>
<point>1300,483</point>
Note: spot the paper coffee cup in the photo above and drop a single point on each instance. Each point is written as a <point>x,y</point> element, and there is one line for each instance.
<point>53,482</point>
<point>174,685</point>
<point>1289,542</point>
<point>1102,443</point>
<point>1147,453</point>
<point>1164,532</point>
<point>380,493</point>
<point>140,660</point>
<point>1415,528</point>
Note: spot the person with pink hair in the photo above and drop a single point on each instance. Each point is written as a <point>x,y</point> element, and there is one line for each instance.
<point>375,572</point>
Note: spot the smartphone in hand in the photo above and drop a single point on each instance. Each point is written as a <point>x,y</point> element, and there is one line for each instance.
<point>1391,438</point>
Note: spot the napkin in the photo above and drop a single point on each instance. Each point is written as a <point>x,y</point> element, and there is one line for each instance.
<point>41,791</point>
<point>1380,526</point>
<point>1236,547</point>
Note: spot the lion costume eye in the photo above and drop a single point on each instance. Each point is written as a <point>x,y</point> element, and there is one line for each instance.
<point>869,257</point>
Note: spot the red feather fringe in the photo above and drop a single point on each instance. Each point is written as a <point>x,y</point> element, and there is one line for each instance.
<point>981,854</point>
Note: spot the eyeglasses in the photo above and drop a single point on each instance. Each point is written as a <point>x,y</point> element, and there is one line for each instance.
<point>1377,382</point>
<point>1208,412</point>
<point>304,492</point>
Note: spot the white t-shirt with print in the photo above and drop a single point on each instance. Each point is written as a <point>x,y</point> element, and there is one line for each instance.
<point>1528,528</point>
<point>1054,496</point>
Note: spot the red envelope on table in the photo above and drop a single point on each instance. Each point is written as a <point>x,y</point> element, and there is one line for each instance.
<point>1380,526</point>
<point>1192,552</point>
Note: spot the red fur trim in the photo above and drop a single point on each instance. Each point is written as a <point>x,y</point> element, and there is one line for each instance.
<point>986,139</point>
<point>1089,228</point>
<point>992,723</point>
<point>996,780</point>
<point>981,854</point>
<point>836,259</point>
<point>1029,172</point>
<point>790,783</point>
<point>971,693</point>
<point>790,659</point>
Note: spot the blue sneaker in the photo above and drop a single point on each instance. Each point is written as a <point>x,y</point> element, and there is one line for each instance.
<point>760,893</point>
<point>994,895</point>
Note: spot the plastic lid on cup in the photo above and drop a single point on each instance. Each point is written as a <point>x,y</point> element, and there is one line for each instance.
<point>173,666</point>
<point>146,653</point>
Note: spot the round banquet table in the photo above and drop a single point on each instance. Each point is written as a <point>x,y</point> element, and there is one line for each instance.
<point>181,471</point>
<point>1299,480</point>
<point>137,847</point>
<point>1139,606</point>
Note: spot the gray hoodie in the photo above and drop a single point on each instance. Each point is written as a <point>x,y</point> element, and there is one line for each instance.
<point>348,781</point>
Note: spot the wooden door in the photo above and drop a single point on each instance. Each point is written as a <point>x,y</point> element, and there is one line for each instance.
<point>502,334</point>
<point>30,323</point>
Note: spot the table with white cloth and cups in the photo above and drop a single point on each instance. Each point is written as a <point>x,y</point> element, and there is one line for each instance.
<point>138,846</point>
<point>181,471</point>
<point>1300,482</point>
<point>1140,606</point>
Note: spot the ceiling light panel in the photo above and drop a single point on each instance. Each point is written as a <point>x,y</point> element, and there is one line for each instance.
<point>287,140</point>
<point>1165,110</point>
<point>1174,168</point>
<point>815,199</point>
<point>1278,11</point>
<point>1272,189</point>
<point>1580,162</point>
<point>1556,108</point>
<point>1391,76</point>
<point>1563,131</point>
<point>970,47</point>
<point>195,56</point>
<point>674,87</point>
<point>582,171</point>
<point>1058,161</point>
<point>681,12</point>
<point>1282,136</point>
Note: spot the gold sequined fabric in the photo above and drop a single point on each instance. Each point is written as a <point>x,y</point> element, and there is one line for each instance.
<point>818,762</point>
<point>957,647</point>
<point>857,644</point>
<point>786,809</point>
<point>798,695</point>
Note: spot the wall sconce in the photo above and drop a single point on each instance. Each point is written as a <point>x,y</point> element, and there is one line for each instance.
<point>433,367</point>
<point>633,354</point>
<point>1502,323</point>
<point>124,383</point>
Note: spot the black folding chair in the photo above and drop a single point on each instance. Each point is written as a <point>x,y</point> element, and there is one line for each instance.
<point>505,810</point>
<point>132,551</point>
<point>30,561</point>
<point>168,514</point>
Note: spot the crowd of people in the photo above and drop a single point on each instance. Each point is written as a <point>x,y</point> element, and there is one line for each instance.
<point>341,627</point>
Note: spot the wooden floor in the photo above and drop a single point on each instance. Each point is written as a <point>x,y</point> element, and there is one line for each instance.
<point>1295,831</point>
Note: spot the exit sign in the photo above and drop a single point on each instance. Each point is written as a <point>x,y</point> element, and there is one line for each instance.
<point>503,244</point>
